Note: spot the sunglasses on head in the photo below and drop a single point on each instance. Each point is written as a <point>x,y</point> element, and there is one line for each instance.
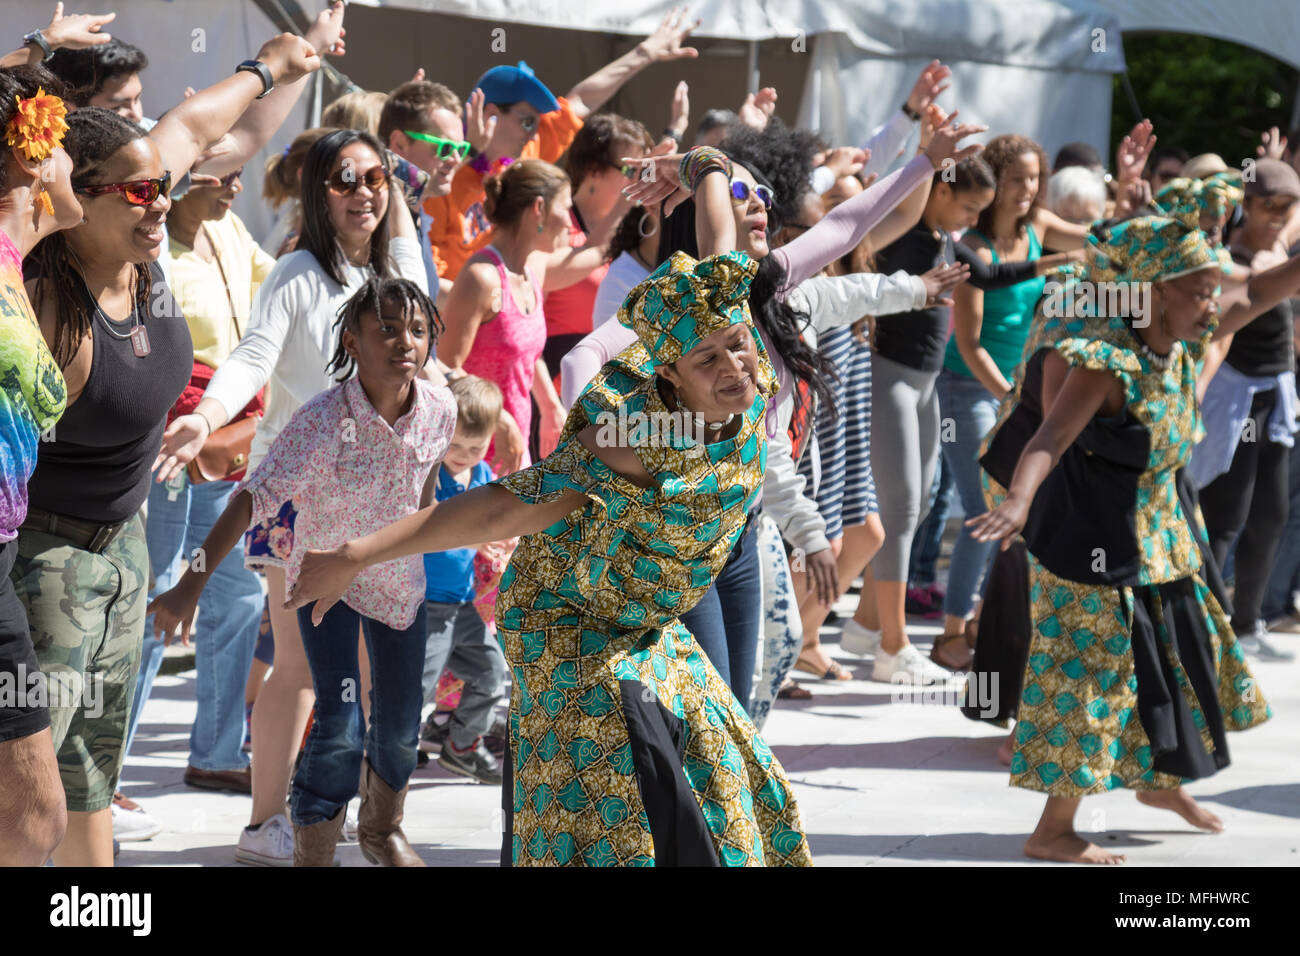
<point>741,190</point>
<point>138,192</point>
<point>446,147</point>
<point>375,179</point>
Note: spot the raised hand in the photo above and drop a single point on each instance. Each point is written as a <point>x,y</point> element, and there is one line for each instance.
<point>680,114</point>
<point>943,149</point>
<point>326,32</point>
<point>658,180</point>
<point>666,42</point>
<point>78,31</point>
<point>846,160</point>
<point>478,131</point>
<point>289,58</point>
<point>932,117</point>
<point>941,280</point>
<point>1272,144</point>
<point>1132,152</point>
<point>758,108</point>
<point>928,86</point>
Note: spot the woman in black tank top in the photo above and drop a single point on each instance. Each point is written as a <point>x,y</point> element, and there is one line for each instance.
<point>82,568</point>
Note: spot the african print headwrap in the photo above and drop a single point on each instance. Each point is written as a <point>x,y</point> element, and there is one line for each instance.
<point>684,300</point>
<point>1185,199</point>
<point>1148,249</point>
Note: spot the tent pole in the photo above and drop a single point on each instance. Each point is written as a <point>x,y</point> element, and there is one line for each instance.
<point>1132,97</point>
<point>752,67</point>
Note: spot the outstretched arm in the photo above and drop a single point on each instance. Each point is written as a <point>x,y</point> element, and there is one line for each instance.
<point>1264,290</point>
<point>259,122</point>
<point>480,515</point>
<point>662,45</point>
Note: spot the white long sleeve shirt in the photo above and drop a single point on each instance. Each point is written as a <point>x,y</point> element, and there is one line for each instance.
<point>290,338</point>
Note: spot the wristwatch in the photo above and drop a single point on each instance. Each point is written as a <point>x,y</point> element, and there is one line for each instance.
<point>672,134</point>
<point>909,112</point>
<point>39,39</point>
<point>262,70</point>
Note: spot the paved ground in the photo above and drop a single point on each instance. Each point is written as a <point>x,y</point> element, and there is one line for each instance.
<point>879,782</point>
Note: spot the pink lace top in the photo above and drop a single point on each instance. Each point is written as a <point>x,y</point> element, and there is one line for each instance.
<point>350,473</point>
<point>506,350</point>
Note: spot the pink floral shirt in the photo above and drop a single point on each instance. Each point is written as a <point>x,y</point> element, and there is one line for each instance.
<point>349,473</point>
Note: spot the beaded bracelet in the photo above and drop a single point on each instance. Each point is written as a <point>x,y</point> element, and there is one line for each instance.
<point>701,161</point>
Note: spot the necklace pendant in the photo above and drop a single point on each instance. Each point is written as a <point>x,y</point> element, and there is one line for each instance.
<point>140,341</point>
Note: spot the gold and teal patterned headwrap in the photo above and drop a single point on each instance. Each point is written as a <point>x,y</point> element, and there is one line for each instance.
<point>684,300</point>
<point>1185,199</point>
<point>1148,249</point>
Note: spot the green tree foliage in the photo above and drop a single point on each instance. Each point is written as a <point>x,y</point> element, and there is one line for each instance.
<point>1203,94</point>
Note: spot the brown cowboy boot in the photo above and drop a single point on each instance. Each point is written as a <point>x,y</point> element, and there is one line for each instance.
<point>313,845</point>
<point>379,820</point>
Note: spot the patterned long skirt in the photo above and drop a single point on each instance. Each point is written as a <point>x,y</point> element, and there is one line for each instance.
<point>1128,687</point>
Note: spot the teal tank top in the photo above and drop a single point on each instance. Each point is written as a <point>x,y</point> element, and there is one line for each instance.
<point>1008,314</point>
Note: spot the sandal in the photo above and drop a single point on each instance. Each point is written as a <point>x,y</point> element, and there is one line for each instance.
<point>836,671</point>
<point>953,664</point>
<point>789,690</point>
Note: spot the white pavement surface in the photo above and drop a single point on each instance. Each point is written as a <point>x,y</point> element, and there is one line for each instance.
<point>878,781</point>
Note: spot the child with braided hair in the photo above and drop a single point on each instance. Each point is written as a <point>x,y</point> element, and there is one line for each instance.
<point>351,460</point>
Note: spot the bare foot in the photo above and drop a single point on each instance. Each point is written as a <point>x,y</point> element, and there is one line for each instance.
<point>814,660</point>
<point>1006,749</point>
<point>1181,802</point>
<point>1068,848</point>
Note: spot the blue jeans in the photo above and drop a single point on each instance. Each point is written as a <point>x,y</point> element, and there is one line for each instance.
<point>1285,576</point>
<point>928,540</point>
<point>969,412</point>
<point>726,622</point>
<point>330,770</point>
<point>229,613</point>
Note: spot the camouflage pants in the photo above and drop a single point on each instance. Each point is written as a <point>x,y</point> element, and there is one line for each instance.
<point>86,614</point>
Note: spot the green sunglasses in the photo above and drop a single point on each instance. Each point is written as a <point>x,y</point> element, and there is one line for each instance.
<point>446,147</point>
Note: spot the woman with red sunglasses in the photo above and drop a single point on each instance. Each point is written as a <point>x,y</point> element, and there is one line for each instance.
<point>103,304</point>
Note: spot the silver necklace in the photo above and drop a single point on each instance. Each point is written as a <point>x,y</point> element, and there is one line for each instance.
<point>138,336</point>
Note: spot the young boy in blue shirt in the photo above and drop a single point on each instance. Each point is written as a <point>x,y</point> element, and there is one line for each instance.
<point>458,637</point>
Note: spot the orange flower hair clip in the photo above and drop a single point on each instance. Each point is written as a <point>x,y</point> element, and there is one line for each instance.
<point>38,125</point>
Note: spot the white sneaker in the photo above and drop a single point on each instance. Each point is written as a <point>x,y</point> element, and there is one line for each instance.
<point>132,825</point>
<point>350,822</point>
<point>271,844</point>
<point>908,666</point>
<point>859,640</point>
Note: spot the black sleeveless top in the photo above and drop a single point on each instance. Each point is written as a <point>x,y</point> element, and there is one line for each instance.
<point>1264,346</point>
<point>97,466</point>
<point>1084,507</point>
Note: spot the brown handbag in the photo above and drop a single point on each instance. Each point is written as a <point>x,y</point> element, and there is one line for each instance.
<point>225,452</point>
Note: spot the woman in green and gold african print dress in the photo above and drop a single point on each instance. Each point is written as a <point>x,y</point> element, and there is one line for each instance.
<point>627,748</point>
<point>1133,672</point>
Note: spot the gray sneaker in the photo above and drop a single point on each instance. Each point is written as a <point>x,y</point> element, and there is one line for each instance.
<point>1256,644</point>
<point>476,763</point>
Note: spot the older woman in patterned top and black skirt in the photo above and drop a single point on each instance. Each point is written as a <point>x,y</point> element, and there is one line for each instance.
<point>1133,674</point>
